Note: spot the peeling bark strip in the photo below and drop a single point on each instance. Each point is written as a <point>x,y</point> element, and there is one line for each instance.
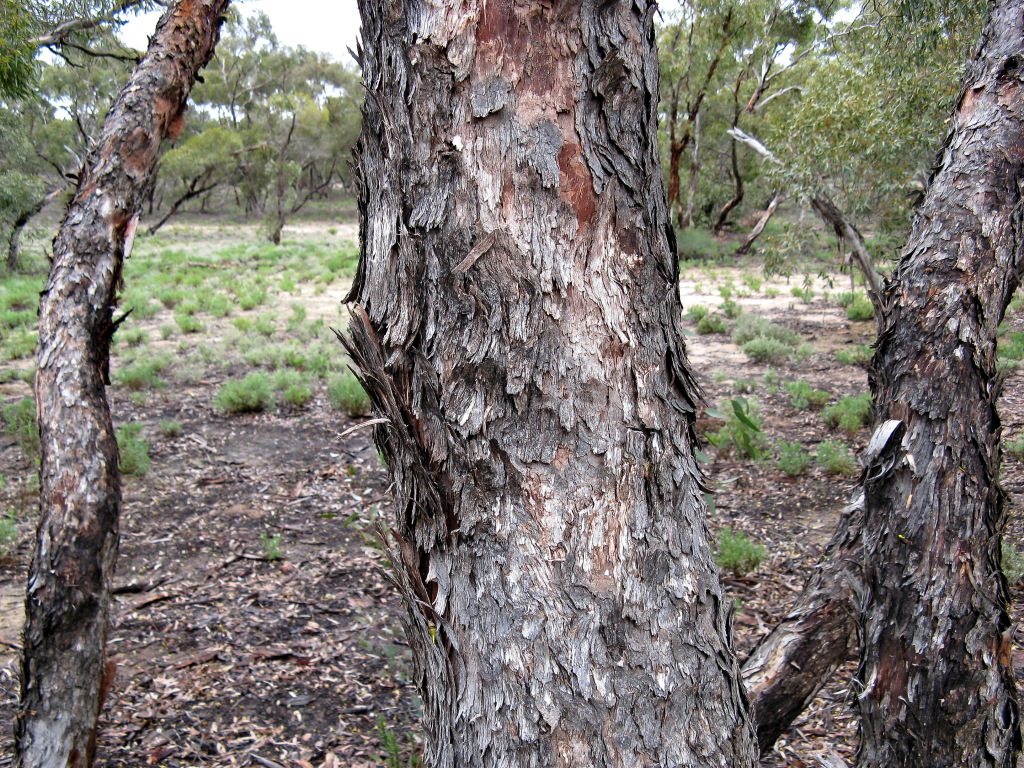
<point>66,606</point>
<point>517,324</point>
<point>938,688</point>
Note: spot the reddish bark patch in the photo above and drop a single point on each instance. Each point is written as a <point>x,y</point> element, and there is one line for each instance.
<point>576,183</point>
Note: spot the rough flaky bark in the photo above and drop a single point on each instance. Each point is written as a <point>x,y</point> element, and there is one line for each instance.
<point>63,671</point>
<point>938,687</point>
<point>517,326</point>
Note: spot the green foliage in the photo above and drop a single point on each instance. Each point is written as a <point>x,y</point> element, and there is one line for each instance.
<point>134,337</point>
<point>1011,346</point>
<point>8,533</point>
<point>731,309</point>
<point>392,750</point>
<point>17,27</point>
<point>1015,447</point>
<point>347,395</point>
<point>859,354</point>
<point>860,310</point>
<point>835,458</point>
<point>271,546</point>
<point>737,554</point>
<point>133,450</point>
<point>170,428</point>
<point>142,374</point>
<point>744,386</point>
<point>850,413</point>
<point>1013,563</point>
<point>802,396</point>
<point>20,423</point>
<point>297,395</point>
<point>792,458</point>
<point>696,312</point>
<point>700,244</point>
<point>711,323</point>
<point>765,350</point>
<point>252,394</point>
<point>742,430</point>
<point>750,327</point>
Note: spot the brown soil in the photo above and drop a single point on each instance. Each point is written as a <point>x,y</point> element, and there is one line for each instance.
<point>227,657</point>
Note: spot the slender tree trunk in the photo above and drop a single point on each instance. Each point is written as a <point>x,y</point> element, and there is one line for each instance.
<point>14,239</point>
<point>736,199</point>
<point>845,231</point>
<point>518,327</point>
<point>63,680</point>
<point>760,225</point>
<point>691,189</point>
<point>938,687</point>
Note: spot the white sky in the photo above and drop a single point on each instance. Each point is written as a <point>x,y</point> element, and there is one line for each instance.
<point>328,26</point>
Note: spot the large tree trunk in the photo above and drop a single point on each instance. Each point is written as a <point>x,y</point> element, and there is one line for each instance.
<point>69,583</point>
<point>938,687</point>
<point>518,327</point>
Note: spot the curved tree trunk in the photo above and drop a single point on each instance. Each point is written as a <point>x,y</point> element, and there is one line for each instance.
<point>14,239</point>
<point>518,327</point>
<point>63,681</point>
<point>938,687</point>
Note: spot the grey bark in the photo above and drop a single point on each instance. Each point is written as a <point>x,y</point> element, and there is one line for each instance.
<point>758,228</point>
<point>845,231</point>
<point>937,682</point>
<point>14,238</point>
<point>517,325</point>
<point>65,674</point>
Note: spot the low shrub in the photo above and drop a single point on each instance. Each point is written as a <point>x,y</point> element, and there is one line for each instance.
<point>765,350</point>
<point>170,428</point>
<point>249,395</point>
<point>860,309</point>
<point>742,430</point>
<point>731,309</point>
<point>133,450</point>
<point>297,395</point>
<point>737,554</point>
<point>855,355</point>
<point>711,323</point>
<point>749,327</point>
<point>20,423</point>
<point>850,413</point>
<point>835,458</point>
<point>696,312</point>
<point>792,458</point>
<point>347,395</point>
<point>8,533</point>
<point>802,396</point>
<point>1013,563</point>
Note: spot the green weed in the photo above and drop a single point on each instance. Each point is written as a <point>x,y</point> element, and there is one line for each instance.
<point>711,323</point>
<point>742,430</point>
<point>271,546</point>
<point>835,458</point>
<point>859,354</point>
<point>850,413</point>
<point>737,554</point>
<point>133,450</point>
<point>1013,563</point>
<point>20,423</point>
<point>802,396</point>
<point>347,395</point>
<point>249,395</point>
<point>860,310</point>
<point>170,428</point>
<point>792,458</point>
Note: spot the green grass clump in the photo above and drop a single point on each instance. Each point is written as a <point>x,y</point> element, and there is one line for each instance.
<point>8,533</point>
<point>806,295</point>
<point>860,309</point>
<point>765,350</point>
<point>744,386</point>
<point>249,395</point>
<point>850,413</point>
<point>856,355</point>
<point>731,309</point>
<point>835,458</point>
<point>1013,563</point>
<point>792,458</point>
<point>20,423</point>
<point>141,375</point>
<point>1015,447</point>
<point>188,323</point>
<point>347,394</point>
<point>170,428</point>
<point>696,313</point>
<point>753,282</point>
<point>1011,346</point>
<point>802,396</point>
<point>693,243</point>
<point>297,395</point>
<point>737,553</point>
<point>711,323</point>
<point>843,300</point>
<point>133,450</point>
<point>750,327</point>
<point>271,546</point>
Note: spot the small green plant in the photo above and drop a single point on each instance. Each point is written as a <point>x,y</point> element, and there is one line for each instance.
<point>771,293</point>
<point>170,428</point>
<point>711,323</point>
<point>856,355</point>
<point>731,309</point>
<point>142,374</point>
<point>8,533</point>
<point>271,546</point>
<point>134,337</point>
<point>297,395</point>
<point>860,309</point>
<point>850,413</point>
<point>1011,346</point>
<point>753,282</point>
<point>1013,563</point>
<point>843,300</point>
<point>133,450</point>
<point>802,396</point>
<point>835,458</point>
<point>249,395</point>
<point>792,458</point>
<point>189,324</point>
<point>805,294</point>
<point>749,327</point>
<point>1015,447</point>
<point>765,350</point>
<point>742,430</point>
<point>744,386</point>
<point>696,312</point>
<point>392,750</point>
<point>737,554</point>
<point>20,423</point>
<point>166,331</point>
<point>347,394</point>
